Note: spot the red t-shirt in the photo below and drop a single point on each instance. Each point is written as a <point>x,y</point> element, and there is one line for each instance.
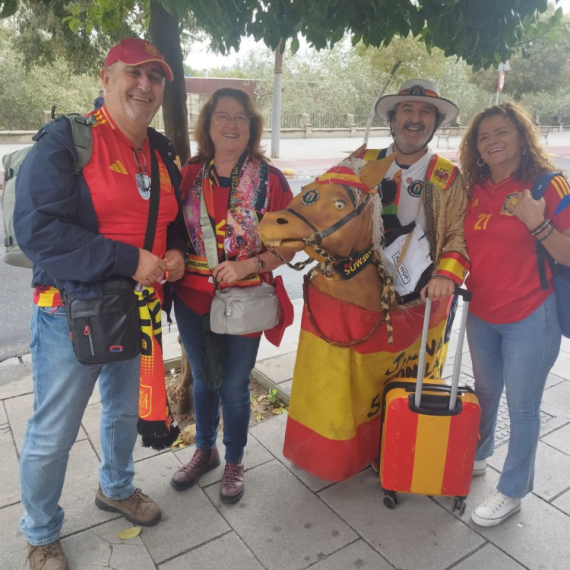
<point>122,211</point>
<point>279,197</point>
<point>504,275</point>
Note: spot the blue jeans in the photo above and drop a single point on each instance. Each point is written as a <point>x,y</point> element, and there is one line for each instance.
<point>62,388</point>
<point>238,359</point>
<point>519,357</point>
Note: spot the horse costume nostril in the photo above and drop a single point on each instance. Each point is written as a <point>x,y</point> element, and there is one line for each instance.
<point>282,221</point>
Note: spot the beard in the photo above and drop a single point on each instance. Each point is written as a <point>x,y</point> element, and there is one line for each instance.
<point>139,112</point>
<point>411,142</point>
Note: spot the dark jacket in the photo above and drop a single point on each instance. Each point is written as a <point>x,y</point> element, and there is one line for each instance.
<point>56,224</point>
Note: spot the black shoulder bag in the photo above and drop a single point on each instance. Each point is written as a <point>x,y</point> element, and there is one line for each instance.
<point>107,328</point>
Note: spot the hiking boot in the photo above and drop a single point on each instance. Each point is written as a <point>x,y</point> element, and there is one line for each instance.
<point>480,467</point>
<point>204,460</point>
<point>47,557</point>
<point>138,508</point>
<point>232,487</point>
<point>495,510</point>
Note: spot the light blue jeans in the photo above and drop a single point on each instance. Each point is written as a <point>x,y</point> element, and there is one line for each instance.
<point>238,359</point>
<point>62,388</point>
<point>517,356</point>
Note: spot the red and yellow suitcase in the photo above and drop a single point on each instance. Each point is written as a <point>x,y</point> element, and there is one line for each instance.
<point>429,432</point>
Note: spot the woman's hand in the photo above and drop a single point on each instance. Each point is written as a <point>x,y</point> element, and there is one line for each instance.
<point>528,210</point>
<point>231,271</point>
<point>438,286</point>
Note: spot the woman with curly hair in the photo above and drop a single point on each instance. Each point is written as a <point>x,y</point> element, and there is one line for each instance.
<point>512,328</point>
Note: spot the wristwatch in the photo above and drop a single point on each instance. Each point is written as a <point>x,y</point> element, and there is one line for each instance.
<point>260,264</point>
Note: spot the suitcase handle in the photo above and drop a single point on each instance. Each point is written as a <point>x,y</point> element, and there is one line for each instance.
<point>458,353</point>
<point>435,405</point>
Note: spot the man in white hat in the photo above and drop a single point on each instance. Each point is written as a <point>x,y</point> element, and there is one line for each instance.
<point>422,195</point>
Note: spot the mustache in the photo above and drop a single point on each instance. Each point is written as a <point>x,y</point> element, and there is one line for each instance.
<point>409,124</point>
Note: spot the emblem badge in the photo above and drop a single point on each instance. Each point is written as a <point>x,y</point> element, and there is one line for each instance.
<point>143,184</point>
<point>310,197</point>
<point>510,200</point>
<point>417,90</point>
<point>415,188</point>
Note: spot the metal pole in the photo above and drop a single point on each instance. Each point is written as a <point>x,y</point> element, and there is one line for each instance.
<point>276,115</point>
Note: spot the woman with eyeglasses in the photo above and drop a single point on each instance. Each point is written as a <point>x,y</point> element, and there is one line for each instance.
<point>238,186</point>
<point>513,327</point>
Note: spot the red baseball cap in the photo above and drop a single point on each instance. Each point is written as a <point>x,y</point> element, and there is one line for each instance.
<point>134,51</point>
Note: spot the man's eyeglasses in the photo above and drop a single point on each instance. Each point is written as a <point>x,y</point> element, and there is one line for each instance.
<point>241,120</point>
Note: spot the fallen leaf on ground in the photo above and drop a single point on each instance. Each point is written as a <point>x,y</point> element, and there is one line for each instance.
<point>132,532</point>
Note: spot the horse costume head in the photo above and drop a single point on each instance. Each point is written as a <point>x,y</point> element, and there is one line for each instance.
<point>336,216</point>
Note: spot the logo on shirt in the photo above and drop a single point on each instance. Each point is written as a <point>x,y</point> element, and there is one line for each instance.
<point>475,203</point>
<point>143,185</point>
<point>510,201</point>
<point>415,188</point>
<point>165,184</point>
<point>118,166</point>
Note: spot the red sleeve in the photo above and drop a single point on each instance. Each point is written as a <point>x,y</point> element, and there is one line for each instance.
<point>280,192</point>
<point>557,197</point>
<point>189,172</point>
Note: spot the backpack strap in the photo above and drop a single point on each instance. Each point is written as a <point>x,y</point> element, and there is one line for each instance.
<point>541,184</point>
<point>82,138</point>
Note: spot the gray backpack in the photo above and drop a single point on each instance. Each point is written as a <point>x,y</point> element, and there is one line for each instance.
<point>83,141</point>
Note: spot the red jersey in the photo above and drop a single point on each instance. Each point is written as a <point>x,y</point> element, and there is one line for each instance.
<point>504,275</point>
<point>279,194</point>
<point>121,207</point>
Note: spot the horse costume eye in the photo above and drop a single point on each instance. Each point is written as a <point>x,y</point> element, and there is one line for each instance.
<point>339,204</point>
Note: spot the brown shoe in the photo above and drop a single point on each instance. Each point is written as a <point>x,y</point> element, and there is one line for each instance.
<point>47,557</point>
<point>138,508</point>
<point>204,460</point>
<point>232,487</point>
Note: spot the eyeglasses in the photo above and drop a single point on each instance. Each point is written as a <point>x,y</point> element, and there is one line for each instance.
<point>241,120</point>
<point>142,178</point>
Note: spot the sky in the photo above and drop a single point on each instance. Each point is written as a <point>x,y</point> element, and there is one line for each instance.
<point>200,57</point>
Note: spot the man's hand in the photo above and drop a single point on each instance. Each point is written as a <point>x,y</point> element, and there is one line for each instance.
<point>149,269</point>
<point>174,260</point>
<point>438,286</point>
<point>231,271</point>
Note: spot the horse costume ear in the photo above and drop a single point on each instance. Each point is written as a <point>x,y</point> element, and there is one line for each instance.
<point>375,170</point>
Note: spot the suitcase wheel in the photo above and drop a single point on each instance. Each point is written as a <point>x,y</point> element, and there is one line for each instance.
<point>390,499</point>
<point>458,505</point>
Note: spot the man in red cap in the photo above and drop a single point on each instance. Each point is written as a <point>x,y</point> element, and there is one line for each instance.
<point>82,227</point>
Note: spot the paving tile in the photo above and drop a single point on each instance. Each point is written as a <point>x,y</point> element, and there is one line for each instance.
<point>100,547</point>
<point>271,434</point>
<point>13,551</point>
<point>562,366</point>
<point>9,362</point>
<point>189,518</point>
<point>552,380</point>
<point>255,454</point>
<point>559,439</point>
<point>285,525</point>
<point>78,496</point>
<point>551,470</point>
<point>91,422</point>
<point>537,536</point>
<point>225,552</point>
<point>19,410</point>
<point>357,555</point>
<point>439,538</point>
<point>286,386</point>
<point>489,558</point>
<point>565,345</point>
<point>563,502</point>
<point>9,477</point>
<point>559,395</point>
<point>15,381</point>
<point>278,369</point>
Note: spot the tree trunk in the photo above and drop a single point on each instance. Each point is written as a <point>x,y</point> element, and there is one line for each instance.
<point>165,34</point>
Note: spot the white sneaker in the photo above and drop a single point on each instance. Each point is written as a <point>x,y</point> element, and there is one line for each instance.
<point>480,467</point>
<point>495,510</point>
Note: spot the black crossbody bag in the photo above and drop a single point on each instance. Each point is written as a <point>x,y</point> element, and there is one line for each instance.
<point>107,328</point>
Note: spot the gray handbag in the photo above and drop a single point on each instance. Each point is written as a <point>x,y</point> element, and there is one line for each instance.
<point>237,310</point>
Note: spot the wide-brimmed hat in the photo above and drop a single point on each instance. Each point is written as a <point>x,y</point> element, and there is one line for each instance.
<point>418,90</point>
<point>134,51</point>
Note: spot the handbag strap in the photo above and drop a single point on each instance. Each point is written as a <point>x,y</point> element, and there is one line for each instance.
<point>208,235</point>
<point>154,200</point>
<point>408,240</point>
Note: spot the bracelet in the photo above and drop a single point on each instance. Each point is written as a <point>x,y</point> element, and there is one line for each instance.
<point>547,235</point>
<point>540,228</point>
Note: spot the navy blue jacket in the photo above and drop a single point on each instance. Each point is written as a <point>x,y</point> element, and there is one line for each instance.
<point>56,224</point>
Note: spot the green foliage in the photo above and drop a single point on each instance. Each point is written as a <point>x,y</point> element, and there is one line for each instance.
<point>27,94</point>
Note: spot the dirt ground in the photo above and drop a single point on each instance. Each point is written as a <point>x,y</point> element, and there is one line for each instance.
<point>264,404</point>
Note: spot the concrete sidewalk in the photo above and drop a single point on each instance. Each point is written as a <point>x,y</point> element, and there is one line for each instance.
<point>289,520</point>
